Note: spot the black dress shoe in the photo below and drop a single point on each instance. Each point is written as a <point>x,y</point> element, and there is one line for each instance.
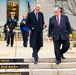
<point>24,45</point>
<point>7,45</point>
<point>63,57</point>
<point>36,61</point>
<point>11,45</point>
<point>58,62</point>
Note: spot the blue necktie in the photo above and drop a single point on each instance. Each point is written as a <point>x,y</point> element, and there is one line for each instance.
<point>37,16</point>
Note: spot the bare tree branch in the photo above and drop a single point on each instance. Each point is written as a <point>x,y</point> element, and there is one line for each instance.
<point>71,6</point>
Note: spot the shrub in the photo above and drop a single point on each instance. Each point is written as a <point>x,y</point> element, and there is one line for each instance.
<point>74,35</point>
<point>0,35</point>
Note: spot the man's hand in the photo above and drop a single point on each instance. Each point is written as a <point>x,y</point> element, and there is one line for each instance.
<point>50,38</point>
<point>13,30</point>
<point>33,28</point>
<point>70,36</point>
<point>24,22</point>
<point>45,26</point>
<point>8,29</point>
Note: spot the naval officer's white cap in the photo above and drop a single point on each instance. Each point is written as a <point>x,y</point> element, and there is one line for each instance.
<point>12,13</point>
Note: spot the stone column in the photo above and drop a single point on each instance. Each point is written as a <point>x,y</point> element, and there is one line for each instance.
<point>22,9</point>
<point>3,12</point>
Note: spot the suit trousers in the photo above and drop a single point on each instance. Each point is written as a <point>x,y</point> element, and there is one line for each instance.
<point>25,38</point>
<point>60,47</point>
<point>10,38</point>
<point>35,53</point>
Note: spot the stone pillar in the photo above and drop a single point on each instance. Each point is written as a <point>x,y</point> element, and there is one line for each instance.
<point>3,12</point>
<point>22,9</point>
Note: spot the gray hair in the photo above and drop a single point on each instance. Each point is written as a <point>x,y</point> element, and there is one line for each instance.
<point>38,5</point>
<point>57,8</point>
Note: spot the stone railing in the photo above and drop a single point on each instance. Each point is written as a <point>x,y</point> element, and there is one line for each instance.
<point>18,35</point>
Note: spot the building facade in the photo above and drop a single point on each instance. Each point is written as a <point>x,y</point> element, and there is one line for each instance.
<point>21,8</point>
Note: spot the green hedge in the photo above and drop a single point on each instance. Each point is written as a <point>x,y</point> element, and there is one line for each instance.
<point>74,35</point>
<point>0,35</point>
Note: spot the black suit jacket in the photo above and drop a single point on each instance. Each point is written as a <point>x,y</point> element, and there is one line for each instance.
<point>11,24</point>
<point>36,27</point>
<point>61,31</point>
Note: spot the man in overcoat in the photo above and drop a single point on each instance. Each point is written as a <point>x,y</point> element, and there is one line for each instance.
<point>35,21</point>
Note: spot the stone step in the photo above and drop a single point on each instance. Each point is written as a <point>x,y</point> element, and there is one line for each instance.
<point>11,59</point>
<point>15,72</point>
<point>50,60</point>
<point>69,65</point>
<point>53,66</point>
<point>31,60</point>
<point>54,71</point>
<point>38,71</point>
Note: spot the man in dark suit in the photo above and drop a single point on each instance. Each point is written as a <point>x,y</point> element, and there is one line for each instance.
<point>60,31</point>
<point>11,24</point>
<point>35,21</point>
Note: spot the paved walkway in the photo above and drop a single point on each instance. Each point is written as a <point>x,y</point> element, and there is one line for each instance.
<point>19,51</point>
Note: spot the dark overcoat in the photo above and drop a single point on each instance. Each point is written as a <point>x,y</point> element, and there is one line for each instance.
<point>36,27</point>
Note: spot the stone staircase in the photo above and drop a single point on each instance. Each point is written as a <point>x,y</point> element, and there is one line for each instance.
<point>46,66</point>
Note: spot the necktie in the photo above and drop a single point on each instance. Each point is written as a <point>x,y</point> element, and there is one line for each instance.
<point>37,16</point>
<point>58,20</point>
